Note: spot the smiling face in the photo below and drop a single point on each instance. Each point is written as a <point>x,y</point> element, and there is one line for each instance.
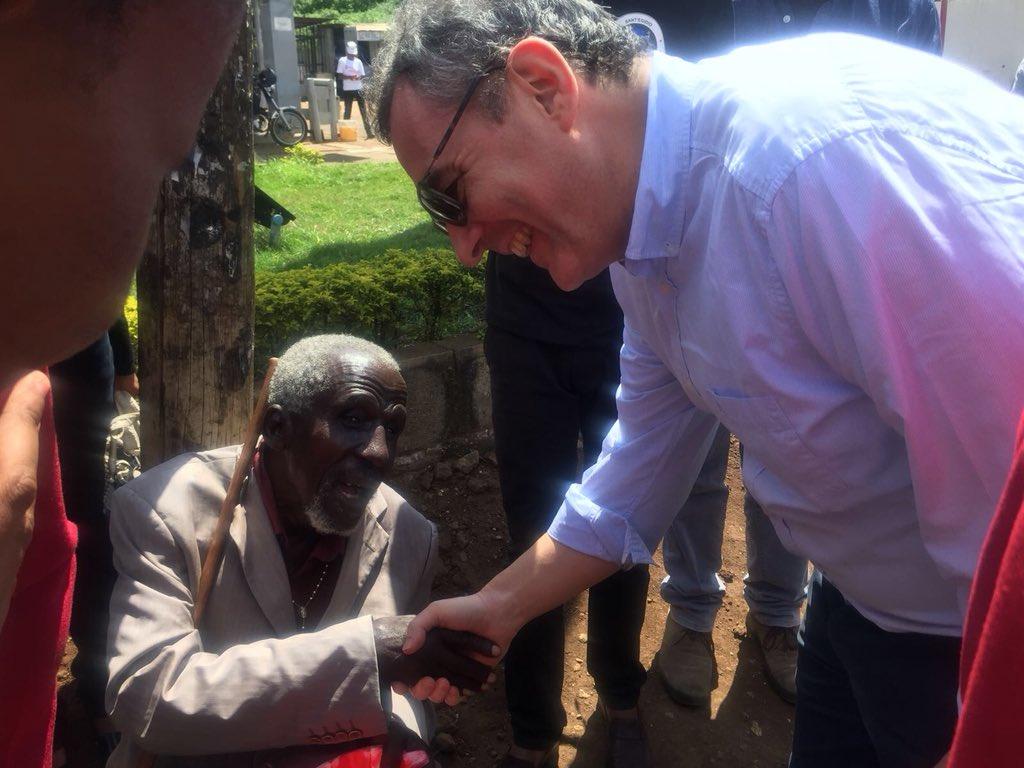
<point>335,457</point>
<point>537,182</point>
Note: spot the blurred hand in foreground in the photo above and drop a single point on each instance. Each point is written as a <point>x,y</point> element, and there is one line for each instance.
<point>21,411</point>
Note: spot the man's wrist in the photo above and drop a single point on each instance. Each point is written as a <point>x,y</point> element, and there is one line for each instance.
<point>506,608</point>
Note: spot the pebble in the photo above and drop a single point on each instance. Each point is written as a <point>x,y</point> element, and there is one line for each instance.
<point>477,484</point>
<point>468,463</point>
<point>444,742</point>
<point>581,637</point>
<point>426,479</point>
<point>755,728</point>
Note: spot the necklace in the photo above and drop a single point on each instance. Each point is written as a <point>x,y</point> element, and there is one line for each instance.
<point>303,610</point>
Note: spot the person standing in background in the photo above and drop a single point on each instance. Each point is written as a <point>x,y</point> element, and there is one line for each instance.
<point>351,74</point>
<point>83,401</point>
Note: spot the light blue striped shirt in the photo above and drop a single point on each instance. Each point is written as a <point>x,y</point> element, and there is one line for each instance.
<point>826,255</point>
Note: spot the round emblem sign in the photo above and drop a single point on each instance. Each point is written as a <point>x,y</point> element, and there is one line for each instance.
<point>647,28</point>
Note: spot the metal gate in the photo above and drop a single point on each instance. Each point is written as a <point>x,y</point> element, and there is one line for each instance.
<point>307,43</point>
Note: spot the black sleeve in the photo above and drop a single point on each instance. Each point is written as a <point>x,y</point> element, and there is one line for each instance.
<point>121,344</point>
<point>921,28</point>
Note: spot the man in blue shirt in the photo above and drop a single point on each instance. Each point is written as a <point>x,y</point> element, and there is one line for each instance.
<point>815,242</point>
<point>553,358</point>
<point>775,586</point>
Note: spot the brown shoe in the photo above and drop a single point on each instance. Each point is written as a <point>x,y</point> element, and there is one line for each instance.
<point>627,742</point>
<point>778,651</point>
<point>686,662</point>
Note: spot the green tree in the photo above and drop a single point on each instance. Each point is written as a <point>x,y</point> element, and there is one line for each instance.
<point>346,10</point>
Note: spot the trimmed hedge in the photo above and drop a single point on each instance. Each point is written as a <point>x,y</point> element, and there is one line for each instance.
<point>397,298</point>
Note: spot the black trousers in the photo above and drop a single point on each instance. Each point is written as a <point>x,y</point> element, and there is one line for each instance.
<point>83,405</point>
<point>867,697</point>
<point>545,399</point>
<point>347,98</point>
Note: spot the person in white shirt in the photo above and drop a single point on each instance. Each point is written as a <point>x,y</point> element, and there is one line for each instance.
<point>351,74</point>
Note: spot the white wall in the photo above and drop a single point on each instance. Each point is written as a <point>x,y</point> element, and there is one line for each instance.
<point>986,35</point>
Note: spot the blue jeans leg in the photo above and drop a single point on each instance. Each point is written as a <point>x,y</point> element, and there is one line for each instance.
<point>775,586</point>
<point>693,545</point>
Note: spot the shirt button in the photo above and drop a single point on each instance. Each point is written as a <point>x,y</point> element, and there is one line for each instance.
<point>786,19</point>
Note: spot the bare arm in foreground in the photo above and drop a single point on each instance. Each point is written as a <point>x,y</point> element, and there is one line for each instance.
<point>21,410</point>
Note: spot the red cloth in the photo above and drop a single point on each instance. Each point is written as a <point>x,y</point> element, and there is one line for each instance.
<point>992,659</point>
<point>33,636</point>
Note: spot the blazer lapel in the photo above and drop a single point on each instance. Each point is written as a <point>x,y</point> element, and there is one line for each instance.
<point>261,559</point>
<point>366,548</point>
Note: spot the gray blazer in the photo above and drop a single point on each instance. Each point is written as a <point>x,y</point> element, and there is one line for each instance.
<point>249,682</point>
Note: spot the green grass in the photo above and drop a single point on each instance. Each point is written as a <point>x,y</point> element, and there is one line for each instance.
<point>344,212</point>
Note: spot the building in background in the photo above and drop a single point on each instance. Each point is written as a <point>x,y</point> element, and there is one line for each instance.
<point>276,47</point>
<point>985,35</point>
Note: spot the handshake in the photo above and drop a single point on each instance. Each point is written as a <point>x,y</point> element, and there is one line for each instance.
<point>448,664</point>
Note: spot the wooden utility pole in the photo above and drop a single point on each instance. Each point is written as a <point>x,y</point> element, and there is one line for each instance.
<point>195,283</point>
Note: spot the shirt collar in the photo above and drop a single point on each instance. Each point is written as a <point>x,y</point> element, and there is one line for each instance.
<point>658,215</point>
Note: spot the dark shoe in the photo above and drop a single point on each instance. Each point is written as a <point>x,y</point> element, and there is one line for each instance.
<point>627,743</point>
<point>778,651</point>
<point>686,663</point>
<point>549,761</point>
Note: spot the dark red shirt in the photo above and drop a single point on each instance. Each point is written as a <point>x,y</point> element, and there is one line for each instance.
<point>992,661</point>
<point>312,560</point>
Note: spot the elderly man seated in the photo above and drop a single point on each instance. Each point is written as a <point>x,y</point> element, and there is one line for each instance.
<point>302,635</point>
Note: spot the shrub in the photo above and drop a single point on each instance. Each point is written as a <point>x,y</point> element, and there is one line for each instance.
<point>397,298</point>
<point>300,153</point>
<point>131,314</point>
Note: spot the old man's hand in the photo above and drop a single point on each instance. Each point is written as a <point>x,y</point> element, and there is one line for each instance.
<point>447,656</point>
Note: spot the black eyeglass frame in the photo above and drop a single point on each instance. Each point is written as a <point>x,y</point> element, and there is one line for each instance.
<point>442,207</point>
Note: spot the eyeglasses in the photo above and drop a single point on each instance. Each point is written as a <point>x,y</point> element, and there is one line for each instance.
<point>444,207</point>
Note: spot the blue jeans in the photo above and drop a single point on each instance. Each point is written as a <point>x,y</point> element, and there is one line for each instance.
<point>775,586</point>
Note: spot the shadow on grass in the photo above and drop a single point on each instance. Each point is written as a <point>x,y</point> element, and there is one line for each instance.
<point>421,236</point>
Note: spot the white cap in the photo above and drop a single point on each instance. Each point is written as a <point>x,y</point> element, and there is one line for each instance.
<point>351,47</point>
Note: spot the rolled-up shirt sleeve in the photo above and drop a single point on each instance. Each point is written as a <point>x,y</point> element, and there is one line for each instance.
<point>647,467</point>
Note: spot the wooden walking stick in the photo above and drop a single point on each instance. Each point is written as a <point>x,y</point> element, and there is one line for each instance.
<point>227,508</point>
<point>211,563</point>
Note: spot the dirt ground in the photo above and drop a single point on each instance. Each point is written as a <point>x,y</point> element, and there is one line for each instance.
<point>746,725</point>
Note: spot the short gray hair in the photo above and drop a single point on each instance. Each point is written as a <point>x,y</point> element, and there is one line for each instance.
<point>441,45</point>
<point>308,368</point>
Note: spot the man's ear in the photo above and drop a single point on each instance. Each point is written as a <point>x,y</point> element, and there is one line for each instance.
<point>277,427</point>
<point>537,69</point>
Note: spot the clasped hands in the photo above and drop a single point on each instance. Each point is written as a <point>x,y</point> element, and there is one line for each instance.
<point>443,667</point>
<point>446,651</point>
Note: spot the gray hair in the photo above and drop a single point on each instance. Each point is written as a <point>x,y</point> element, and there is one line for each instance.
<point>441,45</point>
<point>308,368</point>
